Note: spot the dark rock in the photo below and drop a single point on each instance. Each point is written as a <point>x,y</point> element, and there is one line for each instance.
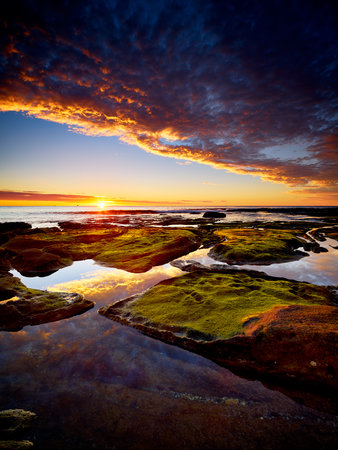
<point>14,226</point>
<point>187,265</point>
<point>35,262</point>
<point>13,422</point>
<point>320,250</point>
<point>16,445</point>
<point>24,306</point>
<point>10,229</point>
<point>40,308</point>
<point>214,215</point>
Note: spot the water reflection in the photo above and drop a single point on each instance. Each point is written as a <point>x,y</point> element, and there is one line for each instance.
<point>100,284</point>
<point>115,284</point>
<point>317,268</point>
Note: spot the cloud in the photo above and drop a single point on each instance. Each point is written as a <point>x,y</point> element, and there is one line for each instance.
<point>40,196</point>
<point>314,192</point>
<point>212,82</point>
<point>35,196</point>
<point>116,284</point>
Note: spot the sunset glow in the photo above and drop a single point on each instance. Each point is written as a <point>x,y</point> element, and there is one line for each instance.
<point>196,110</point>
<point>101,205</point>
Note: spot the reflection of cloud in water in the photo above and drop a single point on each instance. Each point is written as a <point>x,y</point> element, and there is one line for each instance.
<point>200,256</point>
<point>317,268</point>
<point>116,284</point>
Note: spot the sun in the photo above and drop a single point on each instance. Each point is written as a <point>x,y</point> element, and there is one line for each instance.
<point>101,204</point>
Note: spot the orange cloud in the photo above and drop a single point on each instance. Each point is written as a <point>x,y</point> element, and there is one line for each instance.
<point>17,197</point>
<point>208,91</point>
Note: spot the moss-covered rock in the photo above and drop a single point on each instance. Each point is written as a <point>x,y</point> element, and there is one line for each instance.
<point>13,422</point>
<point>21,306</point>
<point>257,246</point>
<point>16,445</point>
<point>132,249</point>
<point>231,317</point>
<point>14,425</point>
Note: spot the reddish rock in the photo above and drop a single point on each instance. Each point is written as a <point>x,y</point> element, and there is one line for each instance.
<point>35,262</point>
<point>40,308</point>
<point>291,342</point>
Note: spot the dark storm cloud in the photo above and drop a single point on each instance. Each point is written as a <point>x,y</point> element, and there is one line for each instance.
<point>214,82</point>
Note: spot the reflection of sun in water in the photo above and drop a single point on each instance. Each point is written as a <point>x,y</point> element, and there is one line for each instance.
<point>115,284</point>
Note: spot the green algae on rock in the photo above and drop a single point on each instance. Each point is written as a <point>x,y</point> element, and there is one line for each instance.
<point>131,249</point>
<point>21,306</point>
<point>212,312</point>
<point>16,445</point>
<point>257,246</point>
<point>14,424</point>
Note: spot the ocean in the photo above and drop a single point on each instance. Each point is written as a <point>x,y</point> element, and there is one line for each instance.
<point>48,216</point>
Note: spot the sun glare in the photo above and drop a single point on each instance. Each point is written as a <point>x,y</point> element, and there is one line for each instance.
<point>101,205</point>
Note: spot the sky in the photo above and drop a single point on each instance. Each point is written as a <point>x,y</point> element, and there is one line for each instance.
<point>185,102</point>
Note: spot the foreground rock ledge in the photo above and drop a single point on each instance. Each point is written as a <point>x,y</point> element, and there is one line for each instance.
<point>14,424</point>
<point>21,306</point>
<point>245,320</point>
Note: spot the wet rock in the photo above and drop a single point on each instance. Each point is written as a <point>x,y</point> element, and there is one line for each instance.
<point>133,249</point>
<point>16,445</point>
<point>320,250</point>
<point>257,246</point>
<point>187,265</point>
<point>296,341</point>
<point>236,319</point>
<point>35,262</point>
<point>13,422</point>
<point>14,226</point>
<point>10,229</point>
<point>4,262</point>
<point>214,215</point>
<point>21,306</point>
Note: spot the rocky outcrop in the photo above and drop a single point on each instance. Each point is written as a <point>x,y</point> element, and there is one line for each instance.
<point>35,262</point>
<point>11,229</point>
<point>131,249</point>
<point>14,424</point>
<point>214,215</point>
<point>257,325</point>
<point>258,246</point>
<point>21,306</point>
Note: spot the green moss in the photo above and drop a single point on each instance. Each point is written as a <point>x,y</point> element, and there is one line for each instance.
<point>16,445</point>
<point>140,249</point>
<point>256,246</point>
<point>133,249</point>
<point>24,306</point>
<point>12,287</point>
<point>218,304</point>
